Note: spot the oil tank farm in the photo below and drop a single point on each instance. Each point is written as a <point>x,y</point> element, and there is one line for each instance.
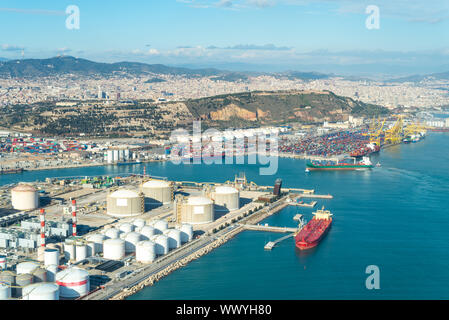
<point>126,227</point>
<point>159,225</point>
<point>125,203</point>
<point>97,240</point>
<point>24,197</point>
<point>131,241</point>
<point>147,232</point>
<point>114,249</point>
<point>186,232</point>
<point>158,192</point>
<point>41,291</point>
<point>146,251</point>
<point>113,233</point>
<point>73,283</point>
<point>226,198</point>
<point>162,246</point>
<point>5,291</point>
<point>194,210</point>
<point>174,238</point>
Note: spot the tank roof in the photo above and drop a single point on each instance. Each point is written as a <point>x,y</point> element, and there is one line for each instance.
<point>225,190</point>
<point>24,188</point>
<point>124,193</point>
<point>199,201</point>
<point>156,184</point>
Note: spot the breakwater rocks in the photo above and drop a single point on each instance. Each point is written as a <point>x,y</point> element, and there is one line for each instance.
<point>176,265</point>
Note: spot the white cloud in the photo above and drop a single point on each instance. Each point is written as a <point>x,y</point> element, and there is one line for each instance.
<point>8,47</point>
<point>410,10</point>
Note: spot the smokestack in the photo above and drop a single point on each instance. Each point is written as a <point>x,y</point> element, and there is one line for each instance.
<point>42,218</point>
<point>74,217</point>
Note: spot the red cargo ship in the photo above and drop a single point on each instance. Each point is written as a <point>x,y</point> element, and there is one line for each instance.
<point>311,235</point>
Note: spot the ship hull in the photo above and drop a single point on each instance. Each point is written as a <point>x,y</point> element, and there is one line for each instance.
<point>338,168</point>
<point>306,245</point>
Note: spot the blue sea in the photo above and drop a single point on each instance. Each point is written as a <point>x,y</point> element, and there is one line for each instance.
<point>395,217</point>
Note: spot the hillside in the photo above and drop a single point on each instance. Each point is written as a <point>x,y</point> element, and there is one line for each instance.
<point>279,107</point>
<point>144,117</point>
<point>70,65</point>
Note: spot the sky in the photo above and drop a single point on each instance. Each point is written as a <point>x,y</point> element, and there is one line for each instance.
<point>265,35</point>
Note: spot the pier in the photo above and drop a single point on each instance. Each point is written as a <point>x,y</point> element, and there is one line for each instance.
<point>269,228</point>
<point>270,245</point>
<point>304,205</point>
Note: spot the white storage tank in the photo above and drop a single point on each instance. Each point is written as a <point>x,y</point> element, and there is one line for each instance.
<point>73,283</point>
<point>22,280</point>
<point>116,155</point>
<point>81,252</point>
<point>39,275</point>
<point>51,257</point>
<point>114,249</point>
<point>197,210</point>
<point>90,249</point>
<point>110,156</point>
<point>126,227</point>
<point>158,192</point>
<point>113,233</point>
<point>52,270</point>
<point>125,203</point>
<point>146,251</point>
<point>69,249</point>
<point>5,291</point>
<point>159,225</point>
<point>3,263</point>
<point>174,238</point>
<point>161,241</point>
<point>147,232</point>
<point>139,223</point>
<point>131,240</point>
<point>226,198</point>
<point>24,197</point>
<point>186,232</point>
<point>8,277</point>
<point>41,291</point>
<point>26,267</point>
<point>97,240</point>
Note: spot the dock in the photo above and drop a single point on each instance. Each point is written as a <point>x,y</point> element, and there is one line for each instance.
<point>270,245</point>
<point>315,196</point>
<point>269,228</point>
<point>304,205</point>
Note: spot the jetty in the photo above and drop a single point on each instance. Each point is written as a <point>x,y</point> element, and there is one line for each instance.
<point>270,245</point>
<point>258,227</point>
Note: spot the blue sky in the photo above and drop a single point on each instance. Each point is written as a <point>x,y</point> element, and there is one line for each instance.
<point>322,35</point>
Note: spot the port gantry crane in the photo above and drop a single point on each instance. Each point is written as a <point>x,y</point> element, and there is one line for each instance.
<point>375,132</point>
<point>394,135</point>
<point>415,128</point>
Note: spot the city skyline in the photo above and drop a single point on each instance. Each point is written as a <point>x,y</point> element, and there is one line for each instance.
<point>259,35</point>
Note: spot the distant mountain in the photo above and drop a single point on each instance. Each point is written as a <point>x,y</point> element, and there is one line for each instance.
<point>419,78</point>
<point>292,75</point>
<point>3,59</point>
<point>71,65</point>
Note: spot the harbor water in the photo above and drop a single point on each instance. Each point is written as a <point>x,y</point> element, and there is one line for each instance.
<point>394,217</point>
